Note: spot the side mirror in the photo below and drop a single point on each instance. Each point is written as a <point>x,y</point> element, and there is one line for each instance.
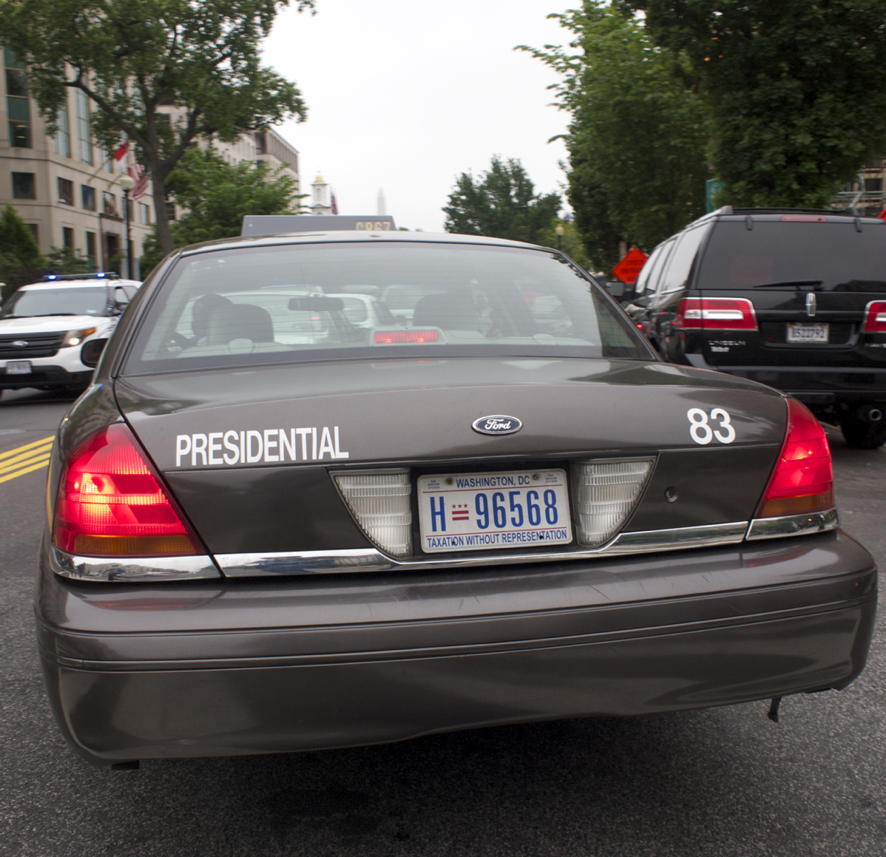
<point>92,351</point>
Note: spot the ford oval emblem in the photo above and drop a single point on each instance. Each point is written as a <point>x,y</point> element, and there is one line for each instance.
<point>497,424</point>
<point>20,343</point>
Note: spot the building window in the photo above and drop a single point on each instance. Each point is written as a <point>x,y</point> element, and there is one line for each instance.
<point>35,230</point>
<point>66,191</point>
<point>18,107</point>
<point>63,134</point>
<point>144,214</point>
<point>23,186</point>
<point>67,238</point>
<point>90,250</point>
<point>873,185</point>
<point>87,197</point>
<point>84,132</point>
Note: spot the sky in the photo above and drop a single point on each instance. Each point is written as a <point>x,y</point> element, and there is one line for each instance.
<point>405,95</point>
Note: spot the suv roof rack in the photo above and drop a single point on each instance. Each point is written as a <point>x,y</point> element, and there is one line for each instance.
<point>787,210</point>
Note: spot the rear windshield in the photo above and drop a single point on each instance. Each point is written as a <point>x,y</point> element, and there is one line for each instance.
<point>284,303</point>
<point>832,255</point>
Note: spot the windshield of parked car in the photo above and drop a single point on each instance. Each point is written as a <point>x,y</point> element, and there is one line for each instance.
<point>27,303</point>
<point>264,304</point>
<point>829,255</point>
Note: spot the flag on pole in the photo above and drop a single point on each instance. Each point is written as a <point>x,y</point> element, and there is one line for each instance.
<point>120,151</point>
<point>140,177</point>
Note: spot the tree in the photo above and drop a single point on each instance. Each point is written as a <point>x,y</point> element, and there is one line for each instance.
<point>637,134</point>
<point>216,195</point>
<point>64,260</point>
<point>794,90</point>
<point>502,202</point>
<point>20,259</point>
<point>135,59</point>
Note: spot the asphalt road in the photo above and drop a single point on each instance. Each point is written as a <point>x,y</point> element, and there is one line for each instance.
<point>725,782</point>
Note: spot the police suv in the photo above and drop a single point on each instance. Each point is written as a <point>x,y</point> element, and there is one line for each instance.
<point>43,325</point>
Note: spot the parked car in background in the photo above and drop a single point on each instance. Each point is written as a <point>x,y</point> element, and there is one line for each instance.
<point>271,529</point>
<point>793,299</point>
<point>43,325</point>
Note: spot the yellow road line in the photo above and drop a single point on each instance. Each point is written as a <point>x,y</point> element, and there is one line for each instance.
<point>20,449</point>
<point>38,466</point>
<point>23,458</point>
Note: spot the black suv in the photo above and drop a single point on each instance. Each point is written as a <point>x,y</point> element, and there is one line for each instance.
<point>793,299</point>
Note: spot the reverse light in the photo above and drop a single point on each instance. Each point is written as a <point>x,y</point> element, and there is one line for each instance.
<point>75,337</point>
<point>606,492</point>
<point>803,480</point>
<point>875,317</point>
<point>716,314</point>
<point>399,337</point>
<point>379,500</point>
<point>111,503</point>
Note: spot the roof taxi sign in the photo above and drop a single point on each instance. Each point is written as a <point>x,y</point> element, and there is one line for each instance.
<point>255,225</point>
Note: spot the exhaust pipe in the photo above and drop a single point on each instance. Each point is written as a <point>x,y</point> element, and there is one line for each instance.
<point>870,413</point>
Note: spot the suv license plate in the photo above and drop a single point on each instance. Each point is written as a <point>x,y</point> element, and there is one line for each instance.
<point>807,332</point>
<point>493,511</point>
<point>18,367</point>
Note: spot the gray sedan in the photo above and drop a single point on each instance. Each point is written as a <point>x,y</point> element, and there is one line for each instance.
<point>271,529</point>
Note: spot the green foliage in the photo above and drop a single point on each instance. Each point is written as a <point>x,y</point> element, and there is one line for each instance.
<point>215,195</point>
<point>795,90</point>
<point>63,260</point>
<point>135,58</point>
<point>20,259</point>
<point>501,202</point>
<point>568,240</point>
<point>636,139</point>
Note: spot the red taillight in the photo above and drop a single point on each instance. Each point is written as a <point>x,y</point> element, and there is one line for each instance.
<point>716,314</point>
<point>111,503</point>
<point>803,479</point>
<point>875,317</point>
<point>397,337</point>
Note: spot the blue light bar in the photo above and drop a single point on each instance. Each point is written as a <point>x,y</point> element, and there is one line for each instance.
<point>94,275</point>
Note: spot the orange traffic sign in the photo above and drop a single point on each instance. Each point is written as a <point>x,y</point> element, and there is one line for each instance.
<point>628,269</point>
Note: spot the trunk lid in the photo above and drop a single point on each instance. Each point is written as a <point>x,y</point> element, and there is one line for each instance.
<point>248,452</point>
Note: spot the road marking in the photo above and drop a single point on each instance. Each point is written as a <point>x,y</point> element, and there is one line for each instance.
<point>25,459</point>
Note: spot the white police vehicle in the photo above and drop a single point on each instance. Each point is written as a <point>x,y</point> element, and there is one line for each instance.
<point>43,325</point>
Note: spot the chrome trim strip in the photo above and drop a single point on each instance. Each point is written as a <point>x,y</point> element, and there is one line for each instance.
<point>793,525</point>
<point>370,559</point>
<point>142,569</point>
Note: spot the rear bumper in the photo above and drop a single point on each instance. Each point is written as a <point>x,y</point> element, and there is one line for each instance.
<point>252,666</point>
<point>812,384</point>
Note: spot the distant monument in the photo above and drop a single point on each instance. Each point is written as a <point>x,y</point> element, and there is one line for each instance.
<point>382,205</point>
<point>321,202</point>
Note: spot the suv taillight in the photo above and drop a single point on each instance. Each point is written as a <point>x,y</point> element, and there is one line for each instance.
<point>875,317</point>
<point>802,481</point>
<point>112,503</point>
<point>716,314</point>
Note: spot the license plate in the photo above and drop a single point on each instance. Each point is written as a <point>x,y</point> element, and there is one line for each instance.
<point>493,511</point>
<point>807,332</point>
<point>18,367</point>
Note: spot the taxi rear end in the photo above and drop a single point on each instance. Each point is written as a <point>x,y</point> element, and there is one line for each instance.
<point>500,508</point>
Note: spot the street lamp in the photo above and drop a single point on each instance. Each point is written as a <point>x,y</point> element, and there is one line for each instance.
<point>560,229</point>
<point>127,182</point>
